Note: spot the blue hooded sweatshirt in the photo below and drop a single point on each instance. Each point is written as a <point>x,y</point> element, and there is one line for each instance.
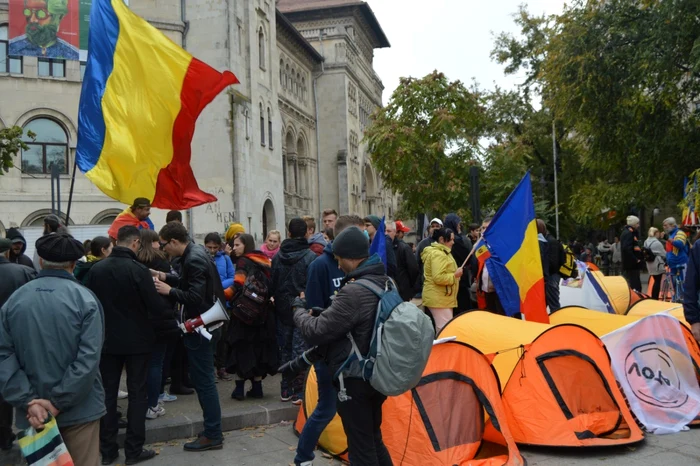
<point>323,279</point>
<point>225,268</point>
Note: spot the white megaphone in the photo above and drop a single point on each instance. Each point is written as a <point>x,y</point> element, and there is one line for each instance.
<point>216,313</point>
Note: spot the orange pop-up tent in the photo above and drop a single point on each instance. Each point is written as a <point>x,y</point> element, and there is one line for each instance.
<point>558,386</point>
<point>444,420</point>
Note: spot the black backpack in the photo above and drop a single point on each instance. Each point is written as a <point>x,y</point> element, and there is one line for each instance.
<point>250,305</point>
<point>648,254</point>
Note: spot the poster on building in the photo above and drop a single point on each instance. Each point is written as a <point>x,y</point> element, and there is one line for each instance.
<point>85,6</point>
<point>45,28</point>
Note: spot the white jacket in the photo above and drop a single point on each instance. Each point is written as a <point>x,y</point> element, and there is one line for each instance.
<point>659,265</point>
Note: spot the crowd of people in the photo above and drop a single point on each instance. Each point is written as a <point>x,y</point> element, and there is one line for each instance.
<point>118,304</point>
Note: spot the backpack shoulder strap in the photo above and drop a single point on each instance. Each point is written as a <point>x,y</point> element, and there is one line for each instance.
<point>367,284</point>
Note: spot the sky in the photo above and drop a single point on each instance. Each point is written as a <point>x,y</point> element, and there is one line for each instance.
<point>452,36</point>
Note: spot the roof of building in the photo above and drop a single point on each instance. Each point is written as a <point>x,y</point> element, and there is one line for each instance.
<point>283,22</point>
<point>299,6</point>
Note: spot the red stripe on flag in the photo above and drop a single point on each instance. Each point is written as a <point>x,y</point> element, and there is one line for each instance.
<point>534,308</point>
<point>177,187</point>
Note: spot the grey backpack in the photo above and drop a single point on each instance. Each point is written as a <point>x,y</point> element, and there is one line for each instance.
<point>398,352</point>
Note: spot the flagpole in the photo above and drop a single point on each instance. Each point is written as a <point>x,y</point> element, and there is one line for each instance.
<point>70,193</point>
<point>470,253</point>
<point>556,188</point>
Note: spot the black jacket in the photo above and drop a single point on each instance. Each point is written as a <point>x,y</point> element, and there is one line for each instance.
<point>424,243</point>
<point>14,233</point>
<point>406,269</point>
<point>391,265</point>
<point>289,271</point>
<point>129,299</point>
<point>353,310</point>
<point>555,257</point>
<point>460,251</point>
<point>13,276</point>
<point>198,286</point>
<point>629,246</point>
<point>82,269</point>
<point>165,325</point>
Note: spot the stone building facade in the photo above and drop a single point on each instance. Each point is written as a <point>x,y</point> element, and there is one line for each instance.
<point>286,141</point>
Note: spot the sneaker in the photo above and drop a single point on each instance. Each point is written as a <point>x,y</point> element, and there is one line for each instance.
<point>296,400</point>
<point>285,396</point>
<point>306,463</point>
<point>203,444</point>
<point>155,413</point>
<point>167,397</point>
<point>221,374</point>
<point>122,395</point>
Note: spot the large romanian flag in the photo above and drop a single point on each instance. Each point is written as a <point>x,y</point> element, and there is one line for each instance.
<point>514,263</point>
<point>140,100</point>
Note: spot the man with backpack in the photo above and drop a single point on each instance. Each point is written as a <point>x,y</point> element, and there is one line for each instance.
<point>323,282</point>
<point>353,312</point>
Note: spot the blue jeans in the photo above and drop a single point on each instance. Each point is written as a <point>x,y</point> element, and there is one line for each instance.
<point>323,414</point>
<point>200,354</point>
<point>155,373</point>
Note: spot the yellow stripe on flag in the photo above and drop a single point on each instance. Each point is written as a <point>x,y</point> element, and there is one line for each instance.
<point>526,264</point>
<point>137,148</point>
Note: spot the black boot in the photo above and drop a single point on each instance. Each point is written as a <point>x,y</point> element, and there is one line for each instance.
<point>256,391</point>
<point>237,393</point>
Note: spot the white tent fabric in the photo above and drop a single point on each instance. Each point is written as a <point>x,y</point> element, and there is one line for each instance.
<point>652,363</point>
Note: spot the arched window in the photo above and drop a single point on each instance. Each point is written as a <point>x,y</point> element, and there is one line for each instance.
<point>282,73</point>
<point>294,82</point>
<point>269,126</point>
<point>262,126</point>
<point>50,147</point>
<point>8,64</point>
<point>287,82</point>
<point>303,89</point>
<point>298,91</point>
<point>261,48</point>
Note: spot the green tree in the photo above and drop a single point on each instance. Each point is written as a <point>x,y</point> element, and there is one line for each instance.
<point>624,76</point>
<point>424,141</point>
<point>10,144</point>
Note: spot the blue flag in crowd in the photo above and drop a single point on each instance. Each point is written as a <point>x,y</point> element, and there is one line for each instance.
<point>378,246</point>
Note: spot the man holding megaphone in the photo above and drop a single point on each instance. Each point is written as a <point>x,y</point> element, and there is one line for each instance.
<point>197,292</point>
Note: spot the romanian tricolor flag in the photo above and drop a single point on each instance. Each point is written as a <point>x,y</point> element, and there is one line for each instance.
<point>140,100</point>
<point>513,260</point>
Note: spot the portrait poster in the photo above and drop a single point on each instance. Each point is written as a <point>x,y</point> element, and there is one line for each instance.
<point>45,29</point>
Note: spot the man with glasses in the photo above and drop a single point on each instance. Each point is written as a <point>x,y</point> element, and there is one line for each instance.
<point>195,290</point>
<point>129,298</point>
<point>41,32</point>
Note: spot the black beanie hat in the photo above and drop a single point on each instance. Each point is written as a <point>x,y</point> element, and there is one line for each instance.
<point>59,247</point>
<point>351,243</point>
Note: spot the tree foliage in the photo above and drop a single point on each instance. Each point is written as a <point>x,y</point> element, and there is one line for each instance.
<point>424,141</point>
<point>10,144</point>
<point>620,79</point>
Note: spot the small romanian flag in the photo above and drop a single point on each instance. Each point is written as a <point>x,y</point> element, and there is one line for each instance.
<point>140,100</point>
<point>514,263</point>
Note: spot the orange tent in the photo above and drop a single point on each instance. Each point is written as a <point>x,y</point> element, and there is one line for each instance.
<point>444,420</point>
<point>602,323</point>
<point>647,307</point>
<point>560,389</point>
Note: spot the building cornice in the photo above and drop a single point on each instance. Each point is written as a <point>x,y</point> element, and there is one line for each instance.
<point>295,112</point>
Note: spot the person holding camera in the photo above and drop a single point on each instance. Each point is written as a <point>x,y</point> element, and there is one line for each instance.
<point>323,282</point>
<point>353,310</point>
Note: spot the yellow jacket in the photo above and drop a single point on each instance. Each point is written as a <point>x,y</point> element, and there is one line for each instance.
<point>440,286</point>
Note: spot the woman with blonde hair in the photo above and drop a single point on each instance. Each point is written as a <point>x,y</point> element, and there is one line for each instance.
<point>272,244</point>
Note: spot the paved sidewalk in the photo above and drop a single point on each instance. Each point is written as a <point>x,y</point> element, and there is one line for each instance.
<point>275,446</point>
